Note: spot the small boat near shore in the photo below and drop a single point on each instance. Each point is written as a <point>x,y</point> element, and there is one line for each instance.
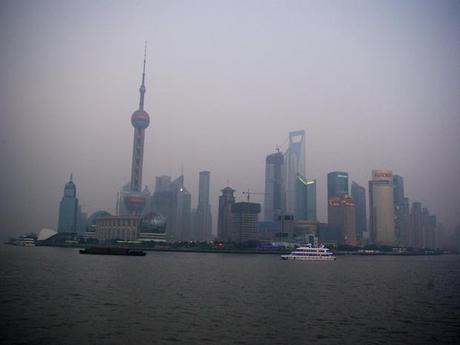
<point>112,251</point>
<point>309,253</point>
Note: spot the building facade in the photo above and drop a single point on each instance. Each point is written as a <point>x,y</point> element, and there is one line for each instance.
<point>203,219</point>
<point>225,218</point>
<point>358,194</point>
<point>401,211</point>
<point>381,207</point>
<point>337,184</point>
<point>294,165</point>
<point>274,186</point>
<point>342,214</point>
<point>416,226</point>
<point>245,216</point>
<point>305,208</point>
<point>121,228</point>
<point>68,209</point>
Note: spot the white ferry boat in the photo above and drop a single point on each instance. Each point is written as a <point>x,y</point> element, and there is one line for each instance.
<point>309,253</point>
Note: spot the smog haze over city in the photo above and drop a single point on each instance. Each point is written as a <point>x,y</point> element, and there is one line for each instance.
<point>375,84</point>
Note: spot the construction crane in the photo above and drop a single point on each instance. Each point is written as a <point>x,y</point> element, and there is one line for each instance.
<point>249,193</point>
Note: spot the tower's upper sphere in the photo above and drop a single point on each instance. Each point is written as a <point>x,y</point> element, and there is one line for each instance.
<point>140,119</point>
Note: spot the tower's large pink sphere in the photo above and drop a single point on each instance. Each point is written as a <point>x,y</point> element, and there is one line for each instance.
<point>140,119</point>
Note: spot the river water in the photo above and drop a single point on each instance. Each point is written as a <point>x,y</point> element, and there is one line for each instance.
<point>57,296</point>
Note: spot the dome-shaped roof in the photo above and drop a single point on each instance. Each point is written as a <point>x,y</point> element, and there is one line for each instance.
<point>92,218</point>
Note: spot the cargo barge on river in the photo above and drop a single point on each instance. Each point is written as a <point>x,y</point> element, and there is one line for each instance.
<point>112,251</point>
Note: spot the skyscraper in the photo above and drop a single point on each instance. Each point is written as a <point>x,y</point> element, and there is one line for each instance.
<point>274,189</point>
<point>203,220</point>
<point>416,226</point>
<point>294,164</point>
<point>337,183</point>
<point>358,194</point>
<point>305,199</point>
<point>225,220</point>
<point>134,199</point>
<point>381,207</point>
<point>245,216</point>
<point>68,209</point>
<point>400,209</point>
<point>342,213</point>
<point>183,215</point>
<point>172,201</point>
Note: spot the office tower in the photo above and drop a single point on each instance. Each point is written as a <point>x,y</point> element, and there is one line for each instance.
<point>337,184</point>
<point>225,220</point>
<point>358,194</point>
<point>305,199</point>
<point>162,183</point>
<point>183,215</point>
<point>342,213</point>
<point>202,220</point>
<point>381,208</point>
<point>405,222</point>
<point>68,209</point>
<point>134,199</point>
<point>171,201</point>
<point>416,226</point>
<point>400,210</point>
<point>274,189</point>
<point>245,216</point>
<point>433,232</point>
<point>294,164</point>
<point>81,221</point>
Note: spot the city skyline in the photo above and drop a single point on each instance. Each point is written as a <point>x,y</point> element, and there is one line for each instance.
<point>191,110</point>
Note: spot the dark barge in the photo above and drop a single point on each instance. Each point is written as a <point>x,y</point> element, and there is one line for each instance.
<point>112,251</point>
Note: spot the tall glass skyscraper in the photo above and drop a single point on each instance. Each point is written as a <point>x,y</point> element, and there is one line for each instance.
<point>401,210</point>
<point>294,163</point>
<point>305,199</point>
<point>203,221</point>
<point>358,194</point>
<point>337,184</point>
<point>225,218</point>
<point>274,191</point>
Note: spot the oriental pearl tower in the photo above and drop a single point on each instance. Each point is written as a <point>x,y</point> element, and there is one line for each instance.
<point>135,199</point>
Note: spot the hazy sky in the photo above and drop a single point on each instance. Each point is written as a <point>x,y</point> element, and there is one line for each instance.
<point>375,84</point>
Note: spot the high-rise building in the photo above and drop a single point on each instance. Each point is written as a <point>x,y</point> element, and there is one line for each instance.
<point>68,209</point>
<point>358,194</point>
<point>294,164</point>
<point>225,218</point>
<point>135,200</point>
<point>337,184</point>
<point>381,207</point>
<point>172,201</point>
<point>305,199</point>
<point>82,218</point>
<point>274,189</point>
<point>245,217</point>
<point>202,220</point>
<point>416,226</point>
<point>342,213</point>
<point>400,210</point>
<point>162,183</point>
<point>183,215</point>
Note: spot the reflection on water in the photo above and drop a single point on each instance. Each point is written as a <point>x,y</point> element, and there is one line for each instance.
<point>55,295</point>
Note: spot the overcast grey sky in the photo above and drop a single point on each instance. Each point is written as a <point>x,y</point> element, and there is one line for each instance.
<point>375,84</point>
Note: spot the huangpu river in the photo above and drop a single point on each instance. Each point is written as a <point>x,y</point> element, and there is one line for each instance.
<point>57,296</point>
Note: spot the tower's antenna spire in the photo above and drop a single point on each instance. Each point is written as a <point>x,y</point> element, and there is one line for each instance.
<point>71,176</point>
<point>142,88</point>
